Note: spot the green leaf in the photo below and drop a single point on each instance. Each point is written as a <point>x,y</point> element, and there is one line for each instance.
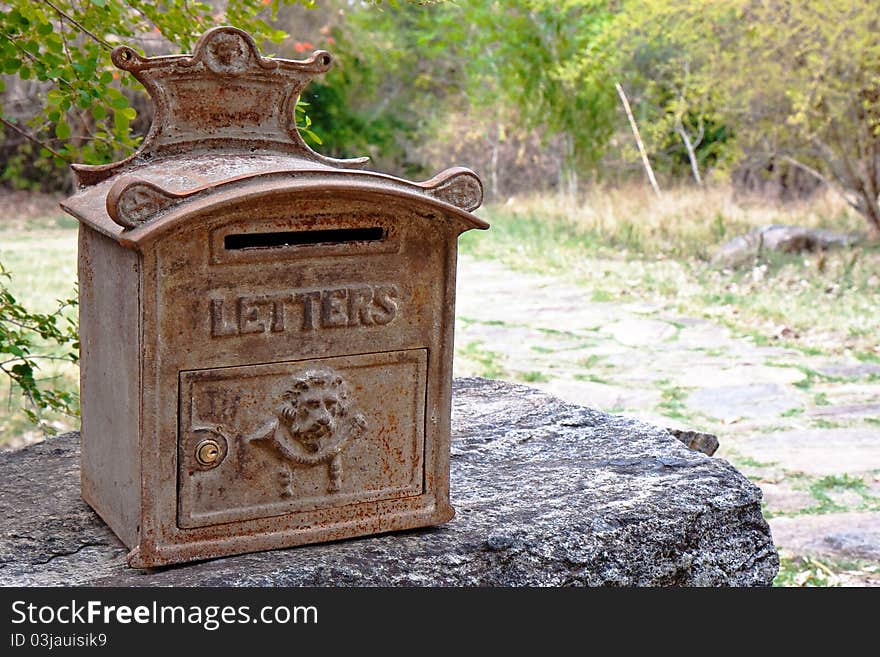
<point>15,18</point>
<point>23,370</point>
<point>62,130</point>
<point>54,43</point>
<point>120,122</point>
<point>311,135</point>
<point>99,112</point>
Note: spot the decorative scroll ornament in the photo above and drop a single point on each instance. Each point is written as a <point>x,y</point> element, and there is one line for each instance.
<point>458,186</point>
<point>313,426</point>
<point>223,96</point>
<point>131,202</point>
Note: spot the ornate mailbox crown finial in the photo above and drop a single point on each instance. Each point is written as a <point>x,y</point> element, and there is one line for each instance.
<point>225,95</point>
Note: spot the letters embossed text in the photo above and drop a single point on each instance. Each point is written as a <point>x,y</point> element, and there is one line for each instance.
<point>304,310</point>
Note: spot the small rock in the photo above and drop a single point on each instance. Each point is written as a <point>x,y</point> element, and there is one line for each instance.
<point>697,441</point>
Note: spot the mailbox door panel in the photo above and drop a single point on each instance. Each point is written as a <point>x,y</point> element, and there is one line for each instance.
<point>267,440</point>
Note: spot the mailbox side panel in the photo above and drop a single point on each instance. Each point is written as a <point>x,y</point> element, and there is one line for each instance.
<point>109,325</point>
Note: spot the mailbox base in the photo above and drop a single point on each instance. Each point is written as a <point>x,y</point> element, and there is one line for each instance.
<point>151,555</point>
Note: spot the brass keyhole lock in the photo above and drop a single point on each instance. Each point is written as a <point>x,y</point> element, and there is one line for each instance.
<point>209,453</point>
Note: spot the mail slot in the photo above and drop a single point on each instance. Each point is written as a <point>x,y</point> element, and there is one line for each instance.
<point>266,333</point>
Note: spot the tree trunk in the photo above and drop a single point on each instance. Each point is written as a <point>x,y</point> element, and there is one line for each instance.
<point>689,147</point>
<point>568,177</point>
<point>493,167</point>
<point>635,129</point>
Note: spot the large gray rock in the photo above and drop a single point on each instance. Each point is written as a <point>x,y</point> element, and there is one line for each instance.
<point>546,494</point>
<point>785,239</point>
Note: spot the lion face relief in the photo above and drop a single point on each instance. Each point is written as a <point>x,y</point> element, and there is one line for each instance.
<point>313,407</point>
<point>312,426</point>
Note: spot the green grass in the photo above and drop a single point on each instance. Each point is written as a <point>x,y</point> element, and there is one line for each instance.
<point>594,378</point>
<point>811,570</point>
<point>748,462</point>
<point>42,264</point>
<point>823,489</point>
<point>487,362</point>
<point>773,428</point>
<point>467,321</point>
<point>797,571</point>
<point>673,401</point>
<point>867,356</point>
<point>820,423</point>
<point>533,377</point>
<point>589,362</point>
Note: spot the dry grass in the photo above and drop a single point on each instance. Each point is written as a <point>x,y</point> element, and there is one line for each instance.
<point>683,222</point>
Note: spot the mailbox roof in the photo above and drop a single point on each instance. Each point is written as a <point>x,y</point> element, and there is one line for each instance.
<point>224,130</point>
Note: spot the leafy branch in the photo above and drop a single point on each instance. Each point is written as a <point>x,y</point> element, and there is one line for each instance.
<point>28,338</point>
<point>83,109</point>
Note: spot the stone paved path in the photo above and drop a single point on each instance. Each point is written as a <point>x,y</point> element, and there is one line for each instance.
<point>806,428</point>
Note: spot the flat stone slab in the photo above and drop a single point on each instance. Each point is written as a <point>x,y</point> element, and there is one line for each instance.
<point>739,401</point>
<point>817,451</point>
<point>742,378</point>
<point>601,395</point>
<point>782,498</point>
<point>847,410</point>
<point>854,535</point>
<point>637,332</point>
<point>850,370</point>
<point>546,494</point>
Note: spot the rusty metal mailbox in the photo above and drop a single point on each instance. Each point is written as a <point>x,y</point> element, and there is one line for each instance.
<point>266,333</point>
